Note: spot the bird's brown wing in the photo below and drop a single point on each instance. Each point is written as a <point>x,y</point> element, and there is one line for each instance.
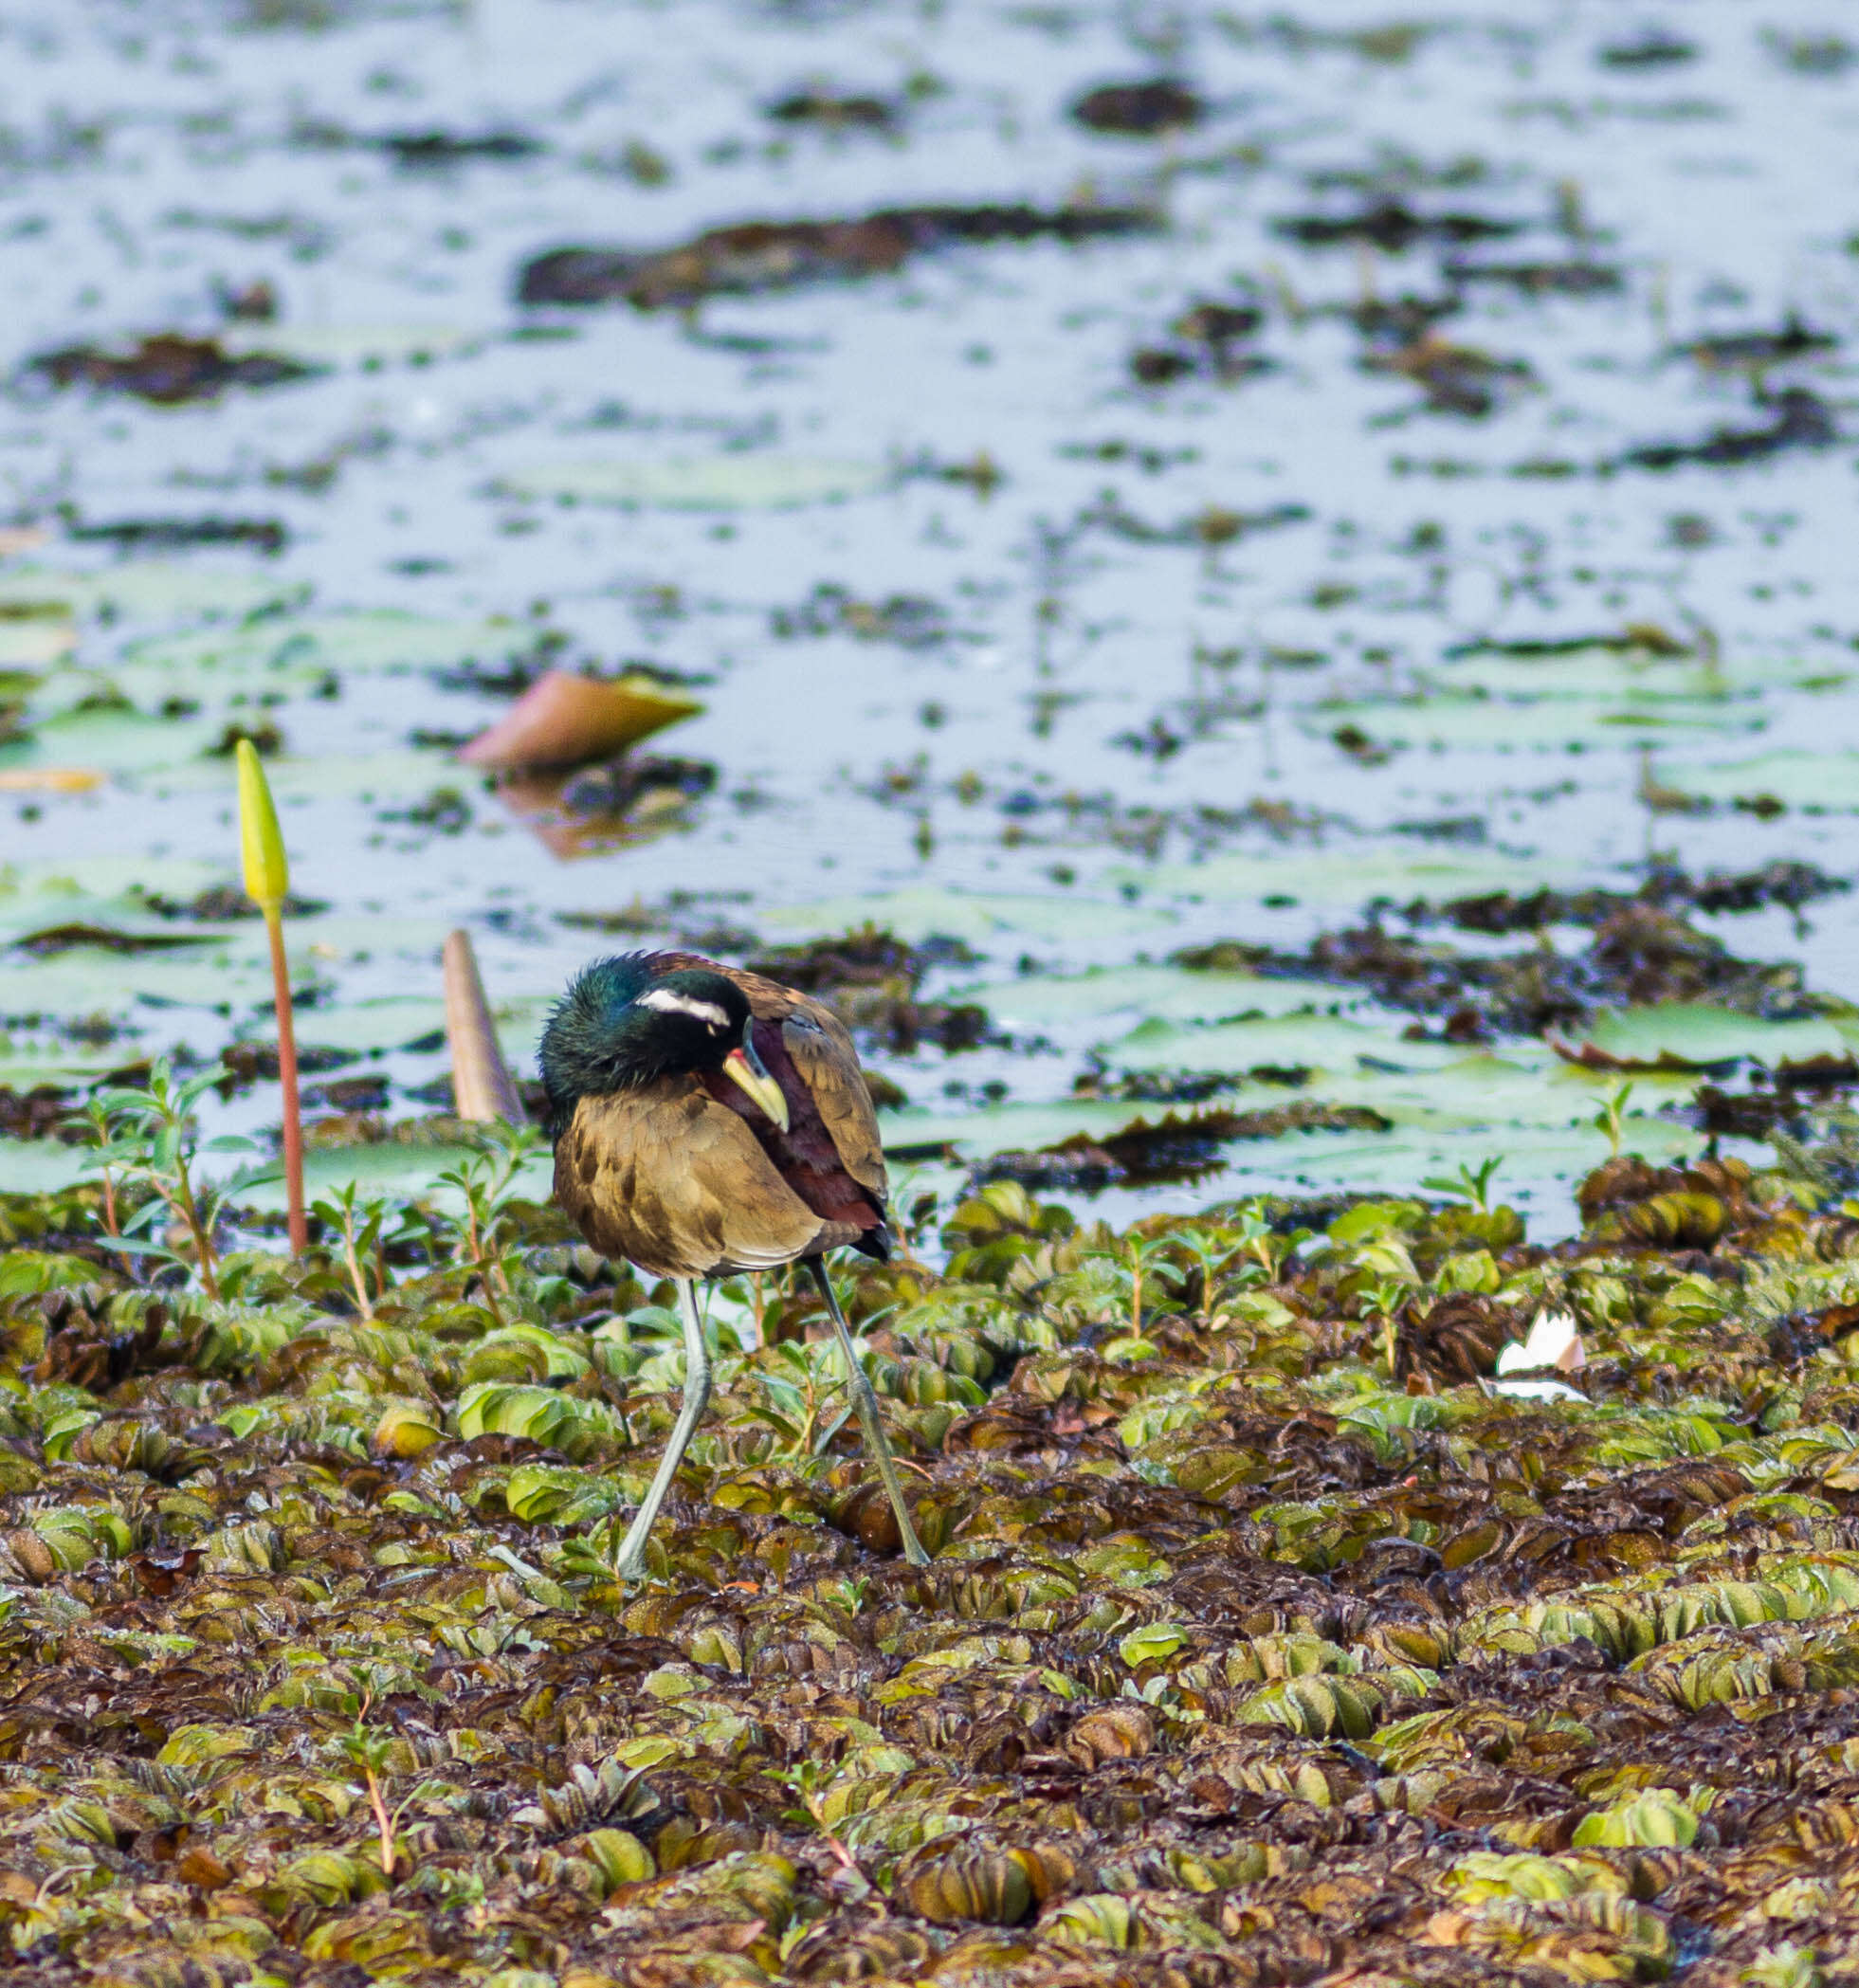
<point>670,1179</point>
<point>827,1064</point>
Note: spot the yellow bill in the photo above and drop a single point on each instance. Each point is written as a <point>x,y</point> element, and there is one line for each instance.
<point>748,1071</point>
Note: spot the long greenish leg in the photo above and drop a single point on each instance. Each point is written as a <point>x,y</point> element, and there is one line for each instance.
<point>867,1404</point>
<point>632,1562</point>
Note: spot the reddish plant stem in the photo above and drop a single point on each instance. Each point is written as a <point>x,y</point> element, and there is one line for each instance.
<point>293,1115</point>
<point>383,1822</point>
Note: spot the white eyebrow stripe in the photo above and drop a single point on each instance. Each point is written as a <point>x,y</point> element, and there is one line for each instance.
<point>668,1000</point>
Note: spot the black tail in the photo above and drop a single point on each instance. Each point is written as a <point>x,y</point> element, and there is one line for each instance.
<point>877,1242</point>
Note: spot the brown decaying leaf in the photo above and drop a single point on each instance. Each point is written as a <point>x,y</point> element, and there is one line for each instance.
<point>566,720</point>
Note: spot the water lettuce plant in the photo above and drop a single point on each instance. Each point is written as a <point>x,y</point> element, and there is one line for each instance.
<point>1263,1635</point>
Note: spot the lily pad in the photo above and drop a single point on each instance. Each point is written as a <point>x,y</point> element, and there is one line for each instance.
<point>1321,1042</point>
<point>1686,1035</point>
<point>111,739</point>
<point>980,918</point>
<point>298,649</point>
<point>1159,993</point>
<point>221,977</point>
<point>138,589</point>
<point>727,483</point>
<point>1345,875</point>
<point>1825,781</point>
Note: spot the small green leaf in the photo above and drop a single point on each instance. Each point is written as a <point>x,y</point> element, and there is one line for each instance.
<point>64,1428</point>
<point>1151,1644</point>
<point>1657,1820</point>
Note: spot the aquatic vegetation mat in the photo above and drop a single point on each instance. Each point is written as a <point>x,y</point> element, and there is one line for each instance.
<point>1277,1629</point>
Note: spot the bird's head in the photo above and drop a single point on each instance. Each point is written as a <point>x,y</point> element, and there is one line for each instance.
<point>623,1023</point>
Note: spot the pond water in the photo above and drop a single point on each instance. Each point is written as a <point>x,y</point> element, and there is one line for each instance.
<point>1493,530</point>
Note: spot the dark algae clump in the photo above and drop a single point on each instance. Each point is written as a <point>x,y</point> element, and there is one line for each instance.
<point>1799,419</point>
<point>1140,110</point>
<point>1174,1147</point>
<point>166,369</point>
<point>871,979</point>
<point>760,256</point>
<point>1640,954</point>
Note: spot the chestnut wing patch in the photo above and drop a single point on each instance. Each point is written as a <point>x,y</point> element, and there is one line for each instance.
<point>832,1155</point>
<point>804,1155</point>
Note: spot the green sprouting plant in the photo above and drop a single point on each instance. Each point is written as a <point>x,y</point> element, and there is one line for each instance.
<point>487,1183</point>
<point>361,1240</point>
<point>594,1554</point>
<point>1209,1249</point>
<point>97,1117</point>
<point>850,1593</point>
<point>148,1136</point>
<point>798,1397</point>
<point>1383,1300</point>
<point>1610,1120</point>
<point>368,1751</point>
<point>807,1780</point>
<point>1471,1185</point>
<point>1138,1261</point>
<point>766,1298</point>
<point>1260,1243</point>
<point>1213,1250</point>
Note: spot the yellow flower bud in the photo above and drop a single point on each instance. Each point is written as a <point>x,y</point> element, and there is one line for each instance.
<point>267,869</point>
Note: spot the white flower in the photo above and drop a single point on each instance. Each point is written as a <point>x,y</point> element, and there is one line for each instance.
<point>1555,1341</point>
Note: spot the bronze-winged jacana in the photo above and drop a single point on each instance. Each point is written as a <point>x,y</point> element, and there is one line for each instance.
<point>710,1121</point>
